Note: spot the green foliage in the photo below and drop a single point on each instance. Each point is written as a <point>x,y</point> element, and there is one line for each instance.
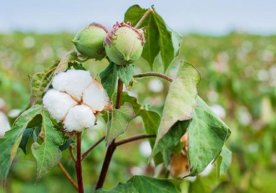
<point>40,81</point>
<point>158,37</point>
<point>109,78</point>
<point>118,122</point>
<point>48,153</point>
<point>180,101</point>
<point>125,73</point>
<point>138,184</point>
<point>9,144</point>
<point>207,135</point>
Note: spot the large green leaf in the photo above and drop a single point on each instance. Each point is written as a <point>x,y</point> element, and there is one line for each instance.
<point>180,101</point>
<point>109,78</point>
<point>158,37</point>
<point>48,153</point>
<point>9,144</point>
<point>40,82</point>
<point>118,122</point>
<point>206,134</point>
<point>143,184</point>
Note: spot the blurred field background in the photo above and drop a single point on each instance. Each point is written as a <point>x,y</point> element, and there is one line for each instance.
<point>238,73</point>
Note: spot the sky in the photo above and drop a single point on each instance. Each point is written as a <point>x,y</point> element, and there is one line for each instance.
<point>184,16</point>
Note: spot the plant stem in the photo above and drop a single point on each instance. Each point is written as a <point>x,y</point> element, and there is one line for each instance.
<point>135,138</point>
<point>119,94</point>
<point>67,175</point>
<point>85,154</point>
<point>153,74</point>
<point>146,14</point>
<point>111,148</point>
<point>78,164</point>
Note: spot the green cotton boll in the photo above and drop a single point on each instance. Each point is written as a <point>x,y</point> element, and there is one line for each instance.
<point>124,44</point>
<point>89,41</point>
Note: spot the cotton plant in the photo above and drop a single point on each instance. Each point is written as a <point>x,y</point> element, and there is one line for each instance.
<point>4,122</point>
<point>184,138</point>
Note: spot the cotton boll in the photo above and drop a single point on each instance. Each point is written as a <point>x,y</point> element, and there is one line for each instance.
<point>72,82</point>
<point>4,124</point>
<point>95,96</point>
<point>79,118</point>
<point>58,103</point>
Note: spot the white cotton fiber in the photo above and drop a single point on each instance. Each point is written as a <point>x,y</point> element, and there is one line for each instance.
<point>72,82</point>
<point>58,103</point>
<point>4,124</point>
<point>95,96</point>
<point>79,118</point>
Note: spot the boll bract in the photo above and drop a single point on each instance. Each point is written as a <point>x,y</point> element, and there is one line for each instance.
<point>124,44</point>
<point>73,82</point>
<point>58,103</point>
<point>78,118</point>
<point>95,97</point>
<point>89,41</point>
<point>4,124</point>
<point>74,99</point>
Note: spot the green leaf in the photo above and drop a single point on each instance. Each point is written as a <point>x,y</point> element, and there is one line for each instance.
<point>48,153</point>
<point>158,37</point>
<point>109,78</point>
<point>118,122</point>
<point>206,134</point>
<point>125,73</point>
<point>10,143</point>
<point>40,81</point>
<point>143,184</point>
<point>180,101</point>
<point>224,160</point>
<point>151,121</point>
<point>165,41</point>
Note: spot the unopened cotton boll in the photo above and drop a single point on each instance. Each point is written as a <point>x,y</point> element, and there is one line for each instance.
<point>58,103</point>
<point>72,82</point>
<point>95,96</point>
<point>4,124</point>
<point>79,118</point>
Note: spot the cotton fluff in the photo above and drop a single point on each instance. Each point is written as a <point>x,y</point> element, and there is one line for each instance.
<point>79,118</point>
<point>58,103</point>
<point>95,96</point>
<point>72,82</point>
<point>4,124</point>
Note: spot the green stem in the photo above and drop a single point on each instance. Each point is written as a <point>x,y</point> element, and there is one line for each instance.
<point>153,74</point>
<point>146,14</point>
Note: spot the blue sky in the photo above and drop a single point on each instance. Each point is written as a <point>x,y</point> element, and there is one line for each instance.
<point>205,16</point>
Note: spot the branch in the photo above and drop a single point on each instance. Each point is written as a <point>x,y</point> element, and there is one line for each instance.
<point>111,148</point>
<point>85,154</point>
<point>135,138</point>
<point>67,175</point>
<point>78,164</point>
<point>153,74</point>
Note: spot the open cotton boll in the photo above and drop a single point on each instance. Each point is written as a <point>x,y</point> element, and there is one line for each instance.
<point>4,124</point>
<point>72,82</point>
<point>95,96</point>
<point>79,118</point>
<point>58,103</point>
